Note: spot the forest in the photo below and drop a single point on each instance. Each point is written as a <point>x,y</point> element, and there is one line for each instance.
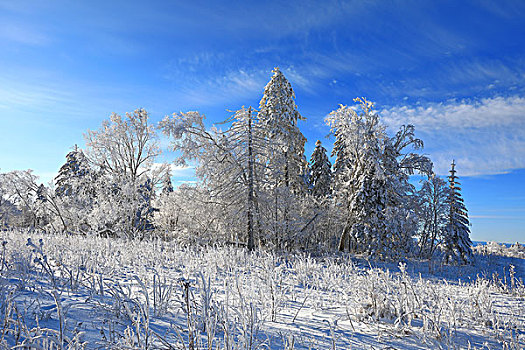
<point>256,187</point>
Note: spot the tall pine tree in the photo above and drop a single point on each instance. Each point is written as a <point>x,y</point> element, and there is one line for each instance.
<point>167,185</point>
<point>320,172</point>
<point>456,236</point>
<point>286,166</point>
<point>278,117</point>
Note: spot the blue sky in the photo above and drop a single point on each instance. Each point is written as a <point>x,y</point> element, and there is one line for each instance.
<point>454,69</point>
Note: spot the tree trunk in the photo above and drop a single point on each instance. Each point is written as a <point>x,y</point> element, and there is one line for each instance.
<point>344,238</point>
<point>250,183</point>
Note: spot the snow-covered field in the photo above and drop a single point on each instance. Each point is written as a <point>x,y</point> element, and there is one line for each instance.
<point>88,292</point>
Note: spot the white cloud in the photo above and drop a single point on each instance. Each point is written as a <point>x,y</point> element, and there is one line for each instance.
<point>219,85</point>
<point>488,112</point>
<point>215,88</point>
<point>179,171</point>
<point>484,137</point>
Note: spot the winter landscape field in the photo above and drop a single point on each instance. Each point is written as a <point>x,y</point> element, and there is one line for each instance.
<point>89,292</point>
<point>262,175</point>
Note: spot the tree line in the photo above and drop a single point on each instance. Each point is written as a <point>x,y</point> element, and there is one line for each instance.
<point>256,187</point>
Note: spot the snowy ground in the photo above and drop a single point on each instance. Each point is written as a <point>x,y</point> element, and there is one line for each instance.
<point>88,292</point>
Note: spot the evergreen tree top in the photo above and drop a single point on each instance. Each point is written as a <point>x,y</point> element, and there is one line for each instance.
<point>278,100</point>
<point>167,186</point>
<point>321,171</point>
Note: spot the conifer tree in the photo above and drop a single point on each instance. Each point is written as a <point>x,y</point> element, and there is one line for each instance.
<point>320,172</point>
<point>71,172</point>
<point>278,117</point>
<point>286,166</point>
<point>372,181</point>
<point>456,235</point>
<point>167,185</point>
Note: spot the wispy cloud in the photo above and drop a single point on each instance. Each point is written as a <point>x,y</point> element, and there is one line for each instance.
<point>232,86</point>
<point>23,34</point>
<point>16,93</point>
<point>485,136</point>
<point>488,112</point>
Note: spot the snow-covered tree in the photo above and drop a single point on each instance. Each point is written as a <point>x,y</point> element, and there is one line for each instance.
<point>38,206</point>
<point>456,236</point>
<point>71,174</point>
<point>372,185</point>
<point>360,191</point>
<point>278,116</point>
<point>228,163</point>
<point>320,172</point>
<point>122,154</point>
<point>8,209</point>
<point>123,147</point>
<point>286,166</point>
<point>433,210</point>
<point>122,208</point>
<point>188,214</point>
<point>167,185</point>
<point>400,160</point>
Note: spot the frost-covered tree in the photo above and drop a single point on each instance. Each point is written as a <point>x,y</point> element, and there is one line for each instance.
<point>71,175</point>
<point>320,172</point>
<point>400,160</point>
<point>122,155</point>
<point>278,116</point>
<point>372,185</point>
<point>360,192</point>
<point>228,163</point>
<point>433,210</point>
<point>188,214</point>
<point>122,208</point>
<point>456,236</point>
<point>38,206</point>
<point>167,185</point>
<point>8,210</point>
<point>286,166</point>
<point>123,147</point>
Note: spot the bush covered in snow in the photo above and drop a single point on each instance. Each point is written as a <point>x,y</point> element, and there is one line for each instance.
<point>516,250</point>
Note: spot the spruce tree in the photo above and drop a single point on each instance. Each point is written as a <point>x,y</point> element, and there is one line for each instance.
<point>360,179</point>
<point>286,166</point>
<point>74,169</point>
<point>167,186</point>
<point>320,172</point>
<point>278,117</point>
<point>456,235</point>
<point>371,181</point>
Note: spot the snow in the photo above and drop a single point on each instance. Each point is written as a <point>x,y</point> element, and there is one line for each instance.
<point>95,292</point>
